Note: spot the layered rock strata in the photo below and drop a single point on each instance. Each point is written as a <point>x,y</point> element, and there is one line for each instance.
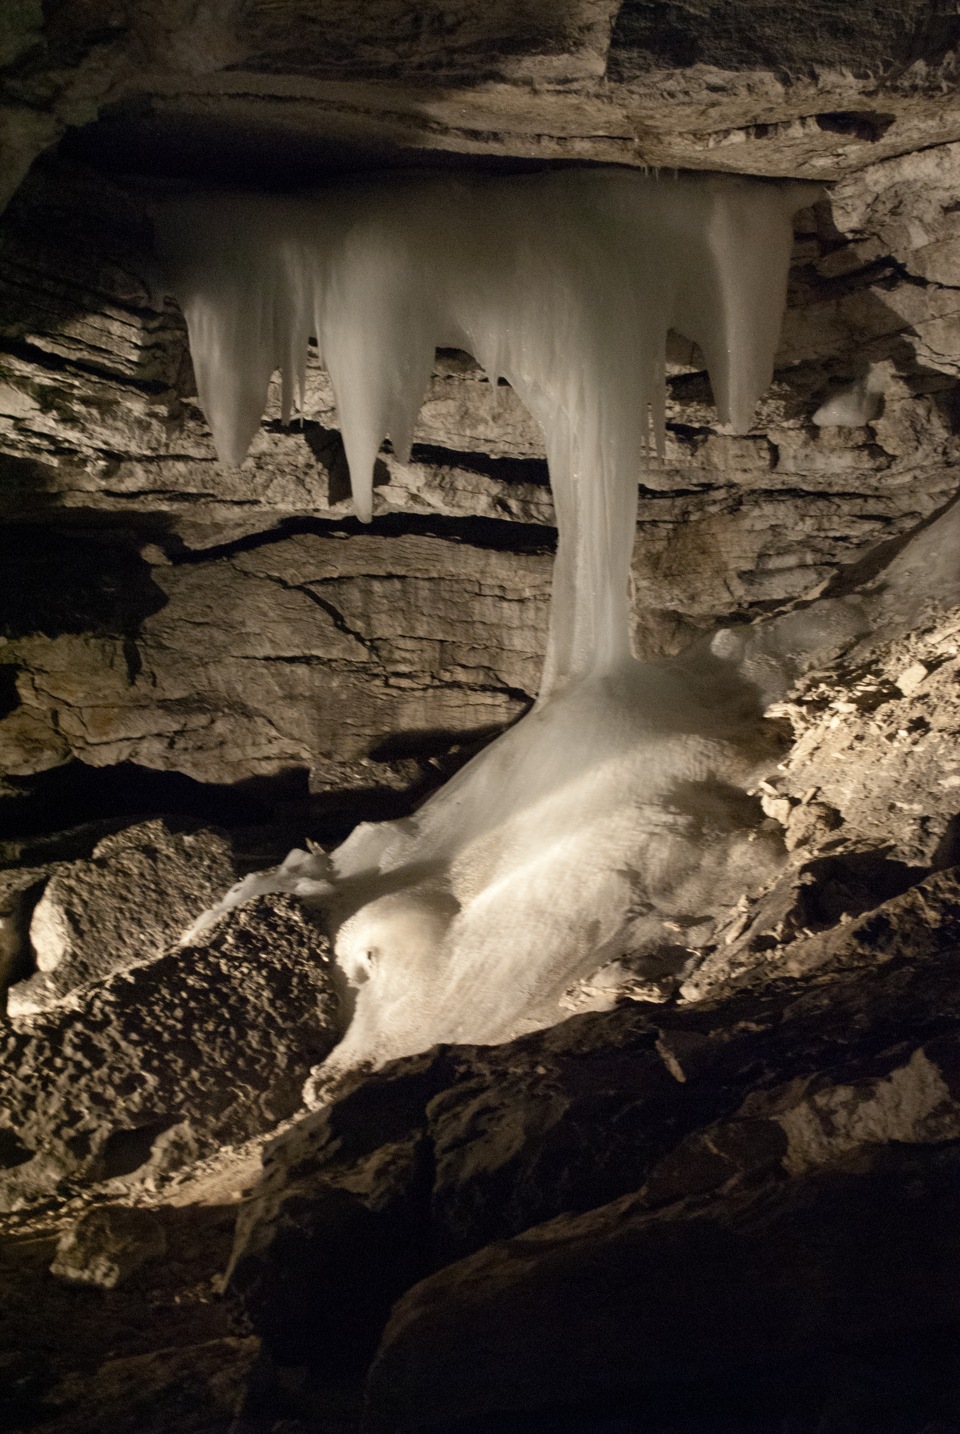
<point>282,87</point>
<point>823,1103</point>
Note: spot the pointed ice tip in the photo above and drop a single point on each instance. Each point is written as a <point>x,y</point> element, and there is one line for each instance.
<point>230,456</point>
<point>363,506</point>
<point>232,442</point>
<point>362,490</point>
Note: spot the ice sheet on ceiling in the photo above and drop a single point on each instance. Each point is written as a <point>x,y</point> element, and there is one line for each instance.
<point>615,809</point>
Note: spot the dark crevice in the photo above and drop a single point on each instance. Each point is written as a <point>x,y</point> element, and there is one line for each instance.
<point>390,678</point>
<point>170,456</point>
<point>336,617</point>
<point>512,694</point>
<point>427,743</point>
<point>98,587</point>
<point>133,660</point>
<point>183,500</point>
<point>9,696</point>
<point>869,125</point>
<point>648,495</point>
<point>917,280</point>
<point>13,1152</point>
<point>125,1151</point>
<point>59,800</point>
<point>849,885</point>
<point>490,533</point>
<point>503,470</point>
<point>43,358</point>
<point>61,814</point>
<point>206,149</point>
<point>947,853</point>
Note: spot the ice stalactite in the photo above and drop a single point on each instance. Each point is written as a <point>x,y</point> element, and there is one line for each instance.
<point>617,803</point>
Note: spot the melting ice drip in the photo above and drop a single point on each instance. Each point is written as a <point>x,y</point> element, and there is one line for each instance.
<point>617,803</point>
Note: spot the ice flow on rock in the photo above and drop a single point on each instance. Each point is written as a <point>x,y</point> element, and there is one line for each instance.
<point>618,801</point>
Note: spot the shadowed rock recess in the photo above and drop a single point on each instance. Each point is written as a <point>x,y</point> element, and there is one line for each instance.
<point>721,1194</point>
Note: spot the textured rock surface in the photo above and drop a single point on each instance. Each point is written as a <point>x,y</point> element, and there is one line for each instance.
<point>193,1388</point>
<point>786,1114</point>
<point>162,1062</point>
<point>311,652</point>
<point>731,1122</point>
<point>156,1352</point>
<point>107,1245</point>
<point>872,736</point>
<point>591,1307</point>
<point>286,85</point>
<point>783,1157</point>
<point>141,889</point>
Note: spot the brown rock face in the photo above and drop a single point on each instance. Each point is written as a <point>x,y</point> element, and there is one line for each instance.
<point>108,1245</point>
<point>309,651</point>
<point>138,893</point>
<point>583,1309</point>
<point>204,1045</point>
<point>786,1157</point>
<point>284,86</point>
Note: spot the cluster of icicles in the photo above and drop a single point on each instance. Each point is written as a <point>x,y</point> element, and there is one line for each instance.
<point>595,819</point>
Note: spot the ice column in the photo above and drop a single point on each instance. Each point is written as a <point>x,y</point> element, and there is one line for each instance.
<point>614,810</point>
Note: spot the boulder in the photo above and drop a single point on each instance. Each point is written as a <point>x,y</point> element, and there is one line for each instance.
<point>140,890</point>
<point>160,1063</point>
<point>195,1389</point>
<point>726,1293</point>
<point>107,1245</point>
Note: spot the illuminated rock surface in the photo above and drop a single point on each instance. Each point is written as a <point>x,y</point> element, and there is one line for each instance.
<point>134,897</point>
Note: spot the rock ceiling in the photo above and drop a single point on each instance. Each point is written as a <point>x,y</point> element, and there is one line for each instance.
<point>281,87</point>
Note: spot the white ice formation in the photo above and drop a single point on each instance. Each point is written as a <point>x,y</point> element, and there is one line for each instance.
<point>304,874</point>
<point>617,804</point>
<point>855,404</point>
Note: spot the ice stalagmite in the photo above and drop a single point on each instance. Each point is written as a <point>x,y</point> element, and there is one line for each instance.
<point>594,816</point>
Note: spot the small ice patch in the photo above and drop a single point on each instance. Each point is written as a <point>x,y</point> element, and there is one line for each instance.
<point>856,404</point>
<point>305,874</point>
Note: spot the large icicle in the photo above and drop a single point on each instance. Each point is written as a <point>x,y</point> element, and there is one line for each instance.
<point>473,915</point>
<point>565,284</point>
